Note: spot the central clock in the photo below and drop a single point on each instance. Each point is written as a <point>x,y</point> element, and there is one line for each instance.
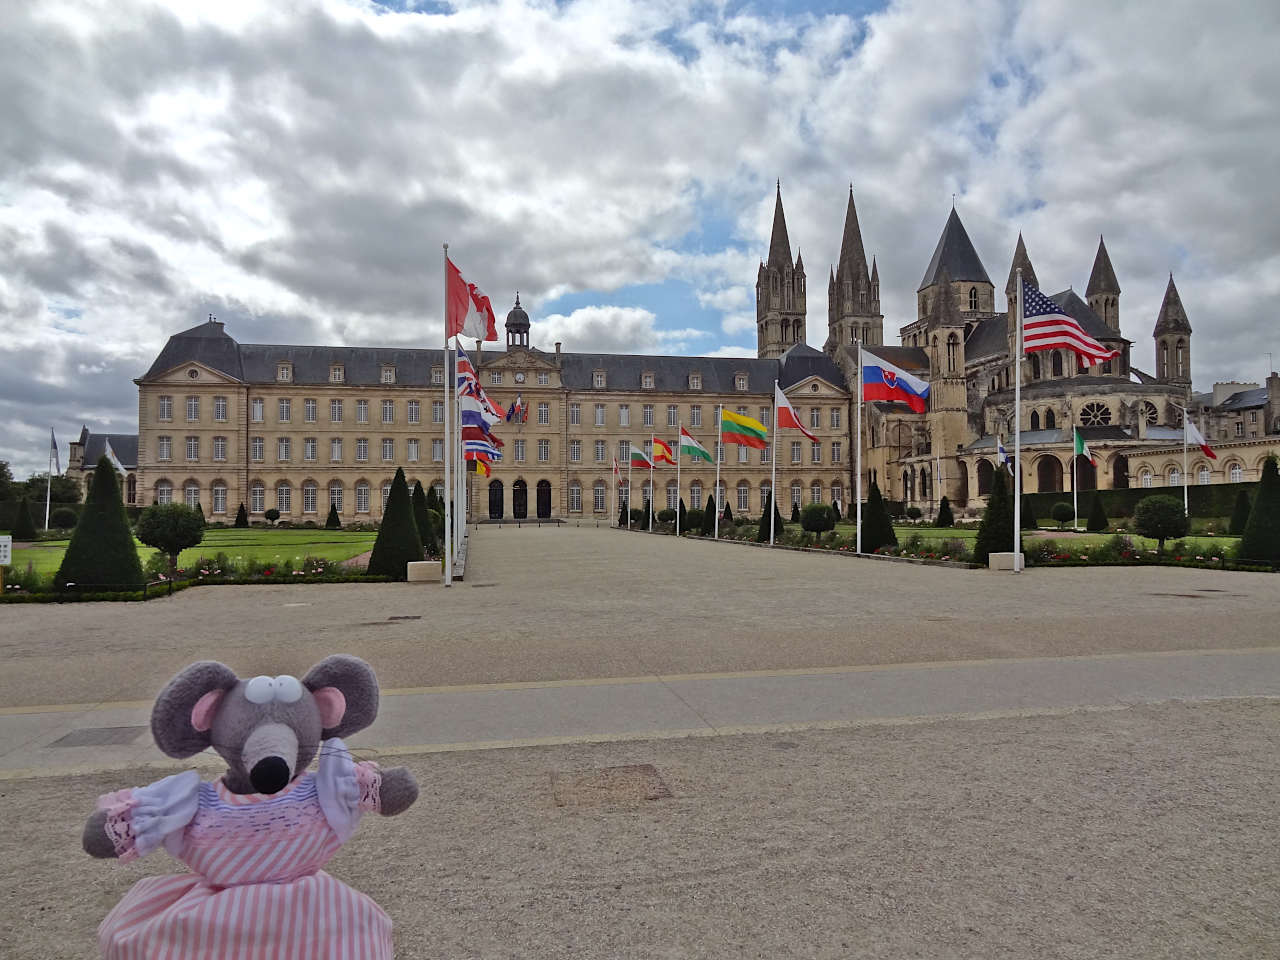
<point>519,378</point>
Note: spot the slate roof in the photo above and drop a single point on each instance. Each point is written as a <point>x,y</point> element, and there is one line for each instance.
<point>1103,277</point>
<point>362,366</point>
<point>954,252</point>
<point>207,344</point>
<point>1245,399</point>
<point>779,244</point>
<point>853,256</point>
<point>123,445</point>
<point>1172,317</point>
<point>1020,259</point>
<point>1056,435</point>
<point>1083,314</point>
<point>908,358</point>
<point>802,361</point>
<point>990,338</point>
<point>623,372</point>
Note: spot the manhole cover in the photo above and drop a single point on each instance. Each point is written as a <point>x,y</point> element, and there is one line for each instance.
<point>99,737</point>
<point>627,784</point>
<point>484,584</point>
<point>407,617</point>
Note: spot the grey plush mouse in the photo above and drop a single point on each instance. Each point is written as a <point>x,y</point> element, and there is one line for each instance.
<point>255,838</point>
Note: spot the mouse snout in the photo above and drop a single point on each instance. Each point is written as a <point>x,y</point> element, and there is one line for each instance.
<point>269,775</point>
<point>269,755</point>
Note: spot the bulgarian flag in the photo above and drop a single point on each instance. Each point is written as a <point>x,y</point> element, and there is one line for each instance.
<point>638,459</point>
<point>1196,439</point>
<point>662,451</point>
<point>1082,448</point>
<point>741,429</point>
<point>787,413</point>
<point>692,447</point>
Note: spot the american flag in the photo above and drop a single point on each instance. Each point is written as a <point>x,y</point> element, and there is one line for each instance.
<point>1046,327</point>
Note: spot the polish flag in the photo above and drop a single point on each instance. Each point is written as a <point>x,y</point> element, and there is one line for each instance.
<point>467,310</point>
<point>787,414</point>
<point>1196,439</point>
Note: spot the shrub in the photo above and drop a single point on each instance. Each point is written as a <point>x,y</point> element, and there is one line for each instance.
<point>170,528</point>
<point>692,522</point>
<point>683,517</point>
<point>1097,515</point>
<point>877,528</point>
<point>667,515</point>
<point>944,518</point>
<point>1063,513</point>
<point>623,516</point>
<point>23,527</point>
<point>795,513</point>
<point>914,513</point>
<point>242,517</point>
<point>1240,515</point>
<point>709,517</point>
<point>398,543</point>
<point>1160,518</point>
<point>995,534</point>
<point>637,516</point>
<point>331,522</point>
<point>422,519</point>
<point>272,515</point>
<point>728,513</point>
<point>1261,538</point>
<point>835,508</point>
<point>1029,521</point>
<point>200,513</point>
<point>102,552</point>
<point>817,518</point>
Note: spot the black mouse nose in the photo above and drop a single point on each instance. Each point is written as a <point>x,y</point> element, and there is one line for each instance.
<point>269,775</point>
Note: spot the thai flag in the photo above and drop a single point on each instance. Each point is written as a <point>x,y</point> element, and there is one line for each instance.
<point>882,381</point>
<point>481,447</point>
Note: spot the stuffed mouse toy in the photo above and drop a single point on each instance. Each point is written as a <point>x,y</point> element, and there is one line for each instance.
<point>255,839</point>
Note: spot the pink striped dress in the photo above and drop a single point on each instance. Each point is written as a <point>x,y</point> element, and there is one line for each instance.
<point>257,891</point>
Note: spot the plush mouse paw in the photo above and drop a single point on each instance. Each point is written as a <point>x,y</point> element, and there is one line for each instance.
<point>95,841</point>
<point>398,791</point>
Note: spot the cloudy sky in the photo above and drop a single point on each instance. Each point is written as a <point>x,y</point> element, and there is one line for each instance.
<point>293,168</point>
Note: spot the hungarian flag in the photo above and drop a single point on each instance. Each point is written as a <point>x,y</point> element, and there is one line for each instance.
<point>467,310</point>
<point>1082,448</point>
<point>787,414</point>
<point>741,429</point>
<point>638,459</point>
<point>1196,439</point>
<point>692,447</point>
<point>662,452</point>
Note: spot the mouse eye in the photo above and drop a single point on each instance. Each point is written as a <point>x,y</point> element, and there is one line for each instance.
<point>287,689</point>
<point>259,690</point>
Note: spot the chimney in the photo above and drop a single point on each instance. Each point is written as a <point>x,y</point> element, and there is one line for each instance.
<point>1271,421</point>
<point>557,348</point>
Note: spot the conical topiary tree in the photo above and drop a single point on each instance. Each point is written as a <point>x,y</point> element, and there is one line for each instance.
<point>945,518</point>
<point>398,542</point>
<point>995,533</point>
<point>835,509</point>
<point>1261,538</point>
<point>102,552</point>
<point>242,517</point>
<point>333,521</point>
<point>728,513</point>
<point>877,527</point>
<point>1240,515</point>
<point>709,517</point>
<point>23,526</point>
<point>684,517</point>
<point>200,514</point>
<point>422,518</point>
<point>623,514</point>
<point>795,512</point>
<point>1097,515</point>
<point>762,528</point>
<point>1029,521</point>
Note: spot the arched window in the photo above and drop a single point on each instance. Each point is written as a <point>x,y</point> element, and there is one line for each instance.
<point>744,496</point>
<point>132,486</point>
<point>1164,360</point>
<point>362,496</point>
<point>1202,476</point>
<point>862,300</point>
<point>1236,473</point>
<point>1179,355</point>
<point>386,493</point>
<point>284,497</point>
<point>765,490</point>
<point>1175,477</point>
<point>219,497</point>
<point>1146,478</point>
<point>1050,420</point>
<point>191,494</point>
<point>986,472</point>
<point>815,492</point>
<point>673,495</point>
<point>310,496</point>
<point>973,298</point>
<point>1149,412</point>
<point>1035,420</point>
<point>1035,366</point>
<point>164,492</point>
<point>1057,363</point>
<point>599,501</point>
<point>624,493</point>
<point>575,496</point>
<point>335,495</point>
<point>796,493</point>
<point>953,348</point>
<point>837,493</point>
<point>257,497</point>
<point>1095,414</point>
<point>695,496</point>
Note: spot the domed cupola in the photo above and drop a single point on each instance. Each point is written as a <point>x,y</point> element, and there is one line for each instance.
<point>517,326</point>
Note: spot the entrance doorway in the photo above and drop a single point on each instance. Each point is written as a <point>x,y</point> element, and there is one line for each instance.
<point>544,499</point>
<point>520,500</point>
<point>495,500</point>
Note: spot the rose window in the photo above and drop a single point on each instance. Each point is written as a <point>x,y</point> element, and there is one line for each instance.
<point>1095,414</point>
<point>1149,412</point>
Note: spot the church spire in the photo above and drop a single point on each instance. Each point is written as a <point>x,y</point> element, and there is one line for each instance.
<point>853,258</point>
<point>1103,278</point>
<point>1020,259</point>
<point>779,244</point>
<point>1172,318</point>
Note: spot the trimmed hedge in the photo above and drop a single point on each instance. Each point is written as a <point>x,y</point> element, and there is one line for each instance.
<point>1207,500</point>
<point>9,510</point>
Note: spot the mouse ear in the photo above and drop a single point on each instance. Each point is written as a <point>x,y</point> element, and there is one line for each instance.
<point>348,693</point>
<point>183,713</point>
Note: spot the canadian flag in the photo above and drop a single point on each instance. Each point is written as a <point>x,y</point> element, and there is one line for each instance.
<point>787,414</point>
<point>467,310</point>
<point>1196,439</point>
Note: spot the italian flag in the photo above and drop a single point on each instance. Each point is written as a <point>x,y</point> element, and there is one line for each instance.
<point>692,447</point>
<point>737,428</point>
<point>638,459</point>
<point>1082,448</point>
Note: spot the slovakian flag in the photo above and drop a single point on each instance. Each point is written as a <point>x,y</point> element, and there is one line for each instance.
<point>882,381</point>
<point>1082,448</point>
<point>787,413</point>
<point>467,310</point>
<point>1196,439</point>
<point>662,451</point>
<point>1046,326</point>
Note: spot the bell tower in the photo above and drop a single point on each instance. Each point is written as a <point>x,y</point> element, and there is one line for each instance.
<point>780,293</point>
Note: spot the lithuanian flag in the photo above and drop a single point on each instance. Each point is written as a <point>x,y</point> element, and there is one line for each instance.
<point>736,428</point>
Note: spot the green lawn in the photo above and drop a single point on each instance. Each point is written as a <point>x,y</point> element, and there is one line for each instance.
<point>253,544</point>
<point>1064,537</point>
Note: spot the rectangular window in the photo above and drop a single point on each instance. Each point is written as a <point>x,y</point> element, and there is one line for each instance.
<point>766,453</point>
<point>1253,416</point>
<point>544,379</point>
<point>601,449</point>
<point>544,451</point>
<point>310,446</point>
<point>336,374</point>
<point>437,376</point>
<point>309,491</point>
<point>648,414</point>
<point>388,374</point>
<point>795,495</point>
<point>362,411</point>
<point>624,415</point>
<point>740,381</point>
<point>437,411</point>
<point>544,413</point>
<point>719,452</point>
<point>285,409</point>
<point>815,453</point>
<point>673,497</point>
<point>193,408</point>
<point>597,498</point>
<point>414,414</point>
<point>388,411</point>
<point>796,452</point>
<point>646,381</point>
<point>283,372</point>
<point>257,409</point>
<point>836,454</point>
<point>411,450</point>
<point>219,498</point>
<point>335,411</point>
<point>220,409</point>
<point>437,450</point>
<point>362,449</point>
<point>744,498</point>
<point>335,496</point>
<point>575,414</point>
<point>284,498</point>
<point>695,415</point>
<point>599,415</point>
<point>597,379</point>
<point>164,408</point>
<point>388,450</point>
<point>495,378</point>
<point>744,453</point>
<point>835,417</point>
<point>1239,428</point>
<point>673,414</point>
<point>695,497</point>
<point>257,449</point>
<point>362,498</point>
<point>164,448</point>
<point>575,451</point>
<point>193,448</point>
<point>815,494</point>
<point>624,452</point>
<point>335,449</point>
<point>310,410</point>
<point>575,498</point>
<point>695,381</point>
<point>257,498</point>
<point>519,452</point>
<point>815,418</point>
<point>282,450</point>
<point>219,448</point>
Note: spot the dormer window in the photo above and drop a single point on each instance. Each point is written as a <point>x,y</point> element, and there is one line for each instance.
<point>646,381</point>
<point>695,381</point>
<point>437,376</point>
<point>597,379</point>
<point>284,372</point>
<point>388,373</point>
<point>337,373</point>
<point>740,381</point>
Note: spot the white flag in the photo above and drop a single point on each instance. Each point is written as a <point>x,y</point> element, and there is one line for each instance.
<point>114,460</point>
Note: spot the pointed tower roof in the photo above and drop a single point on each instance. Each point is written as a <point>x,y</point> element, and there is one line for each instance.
<point>943,312</point>
<point>1172,318</point>
<point>853,258</point>
<point>955,252</point>
<point>875,271</point>
<point>779,244</point>
<point>799,262</point>
<point>1103,278</point>
<point>1020,259</point>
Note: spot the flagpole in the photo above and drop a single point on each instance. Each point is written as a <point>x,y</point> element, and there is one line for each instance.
<point>1186,502</point>
<point>448,436</point>
<point>719,447</point>
<point>628,490</point>
<point>461,475</point>
<point>773,466</point>
<point>857,443</point>
<point>1075,503</point>
<point>48,480</point>
<point>678,493</point>
<point>1017,439</point>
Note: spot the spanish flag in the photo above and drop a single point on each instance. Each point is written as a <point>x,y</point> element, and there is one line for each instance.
<point>662,452</point>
